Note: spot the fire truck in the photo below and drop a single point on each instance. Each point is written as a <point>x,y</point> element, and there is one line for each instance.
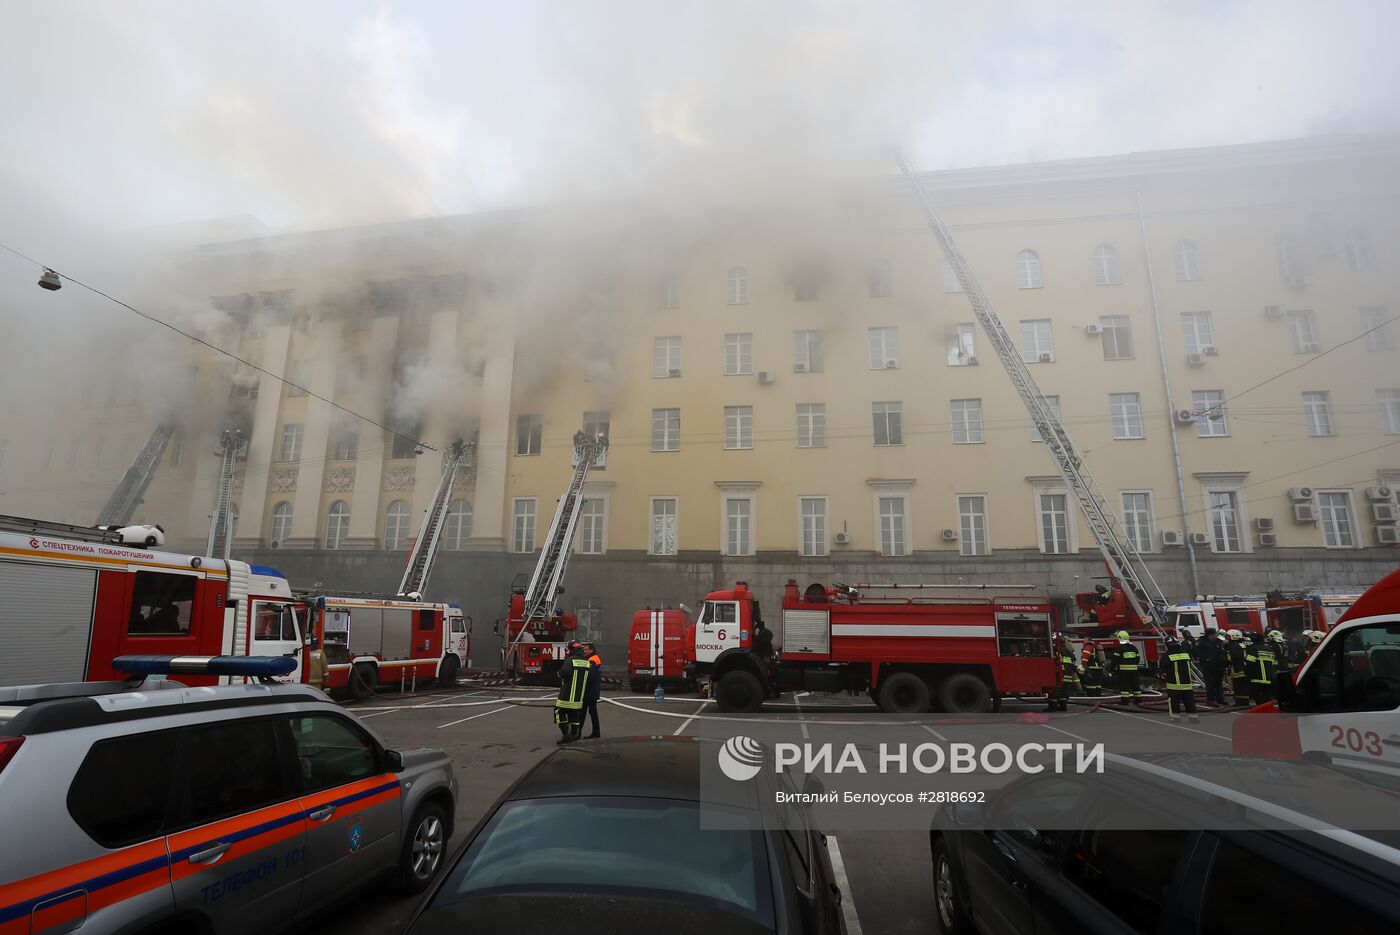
<point>961,652</point>
<point>660,648</point>
<point>370,642</point>
<point>72,598</point>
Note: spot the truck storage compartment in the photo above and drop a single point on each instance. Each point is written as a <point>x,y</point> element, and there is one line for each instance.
<point>807,631</point>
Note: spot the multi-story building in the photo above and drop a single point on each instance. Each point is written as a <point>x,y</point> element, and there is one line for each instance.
<point>1213,327</point>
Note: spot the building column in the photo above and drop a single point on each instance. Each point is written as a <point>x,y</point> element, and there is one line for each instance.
<point>252,501</point>
<point>496,409</point>
<point>443,420</point>
<point>314,469</point>
<point>369,397</point>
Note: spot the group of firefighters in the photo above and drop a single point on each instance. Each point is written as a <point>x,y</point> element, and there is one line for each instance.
<point>1250,662</point>
<point>580,687</point>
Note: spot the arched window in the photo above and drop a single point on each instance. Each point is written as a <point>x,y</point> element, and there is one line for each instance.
<point>457,528</point>
<point>337,524</point>
<point>1358,247</point>
<point>738,286</point>
<point>1290,261</point>
<point>1188,263</point>
<point>396,525</point>
<point>1028,270</point>
<point>1105,265</point>
<point>281,522</point>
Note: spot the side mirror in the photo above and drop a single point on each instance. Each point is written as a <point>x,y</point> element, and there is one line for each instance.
<point>1286,694</point>
<point>968,814</point>
<point>393,760</point>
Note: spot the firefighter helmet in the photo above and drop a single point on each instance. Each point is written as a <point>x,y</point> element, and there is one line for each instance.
<point>1236,635</point>
<point>1316,636</point>
<point>1276,636</point>
<point>1121,636</point>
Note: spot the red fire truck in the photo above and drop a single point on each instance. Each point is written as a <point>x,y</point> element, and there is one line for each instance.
<point>961,652</point>
<point>369,642</point>
<point>660,649</point>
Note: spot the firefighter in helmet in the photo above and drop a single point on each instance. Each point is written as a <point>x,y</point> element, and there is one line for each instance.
<point>1260,663</point>
<point>1213,655</point>
<point>1126,659</point>
<point>1069,671</point>
<point>573,687</point>
<point>1237,652</point>
<point>1102,597</point>
<point>1176,673</point>
<point>1091,669</point>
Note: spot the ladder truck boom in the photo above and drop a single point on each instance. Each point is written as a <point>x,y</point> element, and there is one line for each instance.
<point>221,520</point>
<point>425,547</point>
<point>1123,560</point>
<point>131,489</point>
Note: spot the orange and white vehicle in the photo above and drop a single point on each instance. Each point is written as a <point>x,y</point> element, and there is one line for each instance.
<point>370,641</point>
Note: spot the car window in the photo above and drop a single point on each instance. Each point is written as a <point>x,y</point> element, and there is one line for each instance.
<point>1129,872</point>
<point>427,621</point>
<point>161,604</point>
<point>228,768</point>
<point>330,752</point>
<point>120,793</point>
<point>459,625</point>
<point>1033,813</point>
<point>1358,672</point>
<point>1278,898</point>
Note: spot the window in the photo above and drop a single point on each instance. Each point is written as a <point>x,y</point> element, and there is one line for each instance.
<point>663,526</point>
<point>1348,664</point>
<point>591,517</point>
<point>1209,407</point>
<point>1290,262</point>
<point>597,423</point>
<point>229,768</point>
<point>972,526</point>
<point>457,526</point>
<point>337,524</point>
<point>1198,331</point>
<point>1137,520</point>
<point>396,525</point>
<point>1036,341</point>
<point>1374,322</point>
<point>345,443</point>
<point>1053,404</point>
<point>665,430</point>
<point>738,286</point>
<point>528,432</point>
<point>281,521</point>
<point>177,452</point>
<point>1223,512</point>
<point>348,372</point>
<point>1126,412</point>
<point>808,351</point>
<point>1358,250</point>
<point>331,752</point>
<point>881,280</point>
<point>1389,403</point>
<point>1318,411</point>
<point>961,350</point>
<point>950,278</point>
<point>161,604</point>
<point>1188,262</point>
<point>738,520</point>
<point>1105,265</point>
<point>892,531</point>
<point>738,354</point>
<point>738,426</point>
<point>290,449</point>
<point>804,288</point>
<point>1338,524</point>
<point>1117,336</point>
<point>121,792</point>
<point>296,378</point>
<point>403,443</point>
<point>889,427</point>
<point>244,387</point>
<point>1054,523</point>
<point>589,611</point>
<point>666,357</point>
<point>811,425</point>
<point>812,511</point>
<point>1028,270</point>
<point>884,348</point>
<point>274,622</point>
<point>1034,814</point>
<point>1302,328</point>
<point>523,531</point>
<point>670,291</point>
<point>967,421</point>
<point>1128,872</point>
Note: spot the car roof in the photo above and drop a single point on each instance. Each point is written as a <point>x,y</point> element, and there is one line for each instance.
<point>638,767</point>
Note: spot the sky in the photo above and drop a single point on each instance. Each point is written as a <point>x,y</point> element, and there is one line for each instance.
<point>141,114</point>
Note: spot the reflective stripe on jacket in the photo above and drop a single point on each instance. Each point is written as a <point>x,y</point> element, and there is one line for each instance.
<point>573,677</point>
<point>1179,671</point>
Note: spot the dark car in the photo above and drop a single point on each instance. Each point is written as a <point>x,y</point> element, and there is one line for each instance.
<point>1124,852</point>
<point>608,837</point>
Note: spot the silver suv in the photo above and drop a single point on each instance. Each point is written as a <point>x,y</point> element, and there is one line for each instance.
<point>152,807</point>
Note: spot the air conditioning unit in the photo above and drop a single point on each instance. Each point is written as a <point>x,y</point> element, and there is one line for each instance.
<point>1185,417</point>
<point>1200,538</point>
<point>891,364</point>
<point>1196,360</point>
<point>1171,537</point>
<point>1300,493</point>
<point>1309,349</point>
<point>673,373</point>
<point>841,538</point>
<point>1267,540</point>
<point>1263,524</point>
<point>1210,350</point>
<point>763,378</point>
<point>1379,493</point>
<point>1383,512</point>
<point>1095,328</point>
<point>1273,311</point>
<point>971,361</point>
<point>1045,358</point>
<point>1304,513</point>
<point>275,544</point>
<point>1388,535</point>
<point>950,535</point>
<point>799,367</point>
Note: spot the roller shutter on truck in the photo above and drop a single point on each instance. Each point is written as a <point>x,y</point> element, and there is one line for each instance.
<point>807,631</point>
<point>45,623</point>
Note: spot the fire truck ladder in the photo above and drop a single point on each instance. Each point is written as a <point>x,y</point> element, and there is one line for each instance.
<point>131,489</point>
<point>554,558</point>
<point>425,547</point>
<point>39,527</point>
<point>220,538</point>
<point>1124,561</point>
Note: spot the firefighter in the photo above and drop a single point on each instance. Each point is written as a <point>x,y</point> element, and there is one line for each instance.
<point>1091,669</point>
<point>1176,673</point>
<point>1212,656</point>
<point>1283,653</point>
<point>1238,653</point>
<point>573,686</point>
<point>1260,662</point>
<point>1188,642</point>
<point>1126,658</point>
<point>594,691</point>
<point>1069,670</point>
<point>1102,596</point>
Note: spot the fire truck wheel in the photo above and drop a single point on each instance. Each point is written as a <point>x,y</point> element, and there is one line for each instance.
<point>739,691</point>
<point>423,848</point>
<point>903,693</point>
<point>964,693</point>
<point>447,675</point>
<point>361,681</point>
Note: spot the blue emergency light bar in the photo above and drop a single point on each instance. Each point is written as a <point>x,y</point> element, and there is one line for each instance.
<point>238,666</point>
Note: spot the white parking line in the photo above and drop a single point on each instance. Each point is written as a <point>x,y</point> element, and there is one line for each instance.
<point>475,716</point>
<point>1067,733</point>
<point>848,900</point>
<point>797,700</point>
<point>935,733</point>
<point>1139,717</point>
<point>689,719</point>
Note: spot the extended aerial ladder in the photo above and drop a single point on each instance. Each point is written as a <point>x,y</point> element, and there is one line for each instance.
<point>131,489</point>
<point>221,520</point>
<point>425,546</point>
<point>40,527</point>
<point>1124,562</point>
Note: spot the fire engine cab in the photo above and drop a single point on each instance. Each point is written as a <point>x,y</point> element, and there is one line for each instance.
<point>369,642</point>
<point>960,653</point>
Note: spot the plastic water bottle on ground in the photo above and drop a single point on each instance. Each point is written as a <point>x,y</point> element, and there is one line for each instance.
<point>659,695</point>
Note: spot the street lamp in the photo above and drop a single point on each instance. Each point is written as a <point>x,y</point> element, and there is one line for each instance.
<point>50,280</point>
